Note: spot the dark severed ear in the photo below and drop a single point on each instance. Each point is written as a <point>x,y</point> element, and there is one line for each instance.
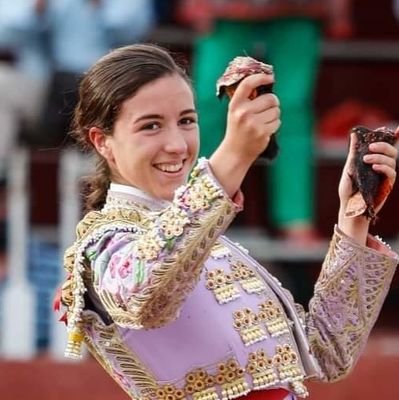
<point>370,187</point>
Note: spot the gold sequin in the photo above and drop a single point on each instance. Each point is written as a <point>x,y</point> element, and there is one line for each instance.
<point>222,286</point>
<point>272,316</point>
<point>246,323</point>
<point>247,278</point>
<point>200,385</point>
<point>288,369</point>
<point>262,370</point>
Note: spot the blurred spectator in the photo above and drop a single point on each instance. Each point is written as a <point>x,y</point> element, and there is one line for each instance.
<point>164,11</point>
<point>23,73</point>
<point>50,43</point>
<point>396,8</point>
<point>286,34</point>
<point>81,31</point>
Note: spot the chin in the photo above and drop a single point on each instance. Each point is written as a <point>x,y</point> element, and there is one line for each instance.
<point>166,195</point>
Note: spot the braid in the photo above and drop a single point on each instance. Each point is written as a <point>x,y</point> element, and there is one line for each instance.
<point>96,186</point>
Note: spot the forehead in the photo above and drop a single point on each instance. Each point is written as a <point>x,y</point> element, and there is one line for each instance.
<point>167,92</point>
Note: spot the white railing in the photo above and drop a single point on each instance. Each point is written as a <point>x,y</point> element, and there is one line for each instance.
<point>18,297</point>
<point>17,338</point>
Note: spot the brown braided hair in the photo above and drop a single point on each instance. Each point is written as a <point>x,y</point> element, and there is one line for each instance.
<point>113,79</point>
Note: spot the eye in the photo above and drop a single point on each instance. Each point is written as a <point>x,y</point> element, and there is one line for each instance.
<point>151,126</point>
<point>188,121</point>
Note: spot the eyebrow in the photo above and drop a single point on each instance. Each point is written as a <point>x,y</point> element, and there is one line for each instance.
<point>158,116</point>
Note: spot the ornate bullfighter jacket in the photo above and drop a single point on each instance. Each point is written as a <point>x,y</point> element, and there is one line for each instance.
<point>172,309</point>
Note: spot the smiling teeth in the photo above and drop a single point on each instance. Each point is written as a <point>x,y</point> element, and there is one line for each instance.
<point>170,167</point>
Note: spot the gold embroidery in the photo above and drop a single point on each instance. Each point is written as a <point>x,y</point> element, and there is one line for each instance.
<point>110,344</point>
<point>169,392</point>
<point>200,385</point>
<point>247,278</point>
<point>262,370</point>
<point>222,286</point>
<point>228,377</point>
<point>148,246</point>
<point>220,251</point>
<point>272,315</point>
<point>202,193</point>
<point>246,322</point>
<point>356,278</point>
<point>231,378</point>
<point>286,362</point>
<point>172,222</point>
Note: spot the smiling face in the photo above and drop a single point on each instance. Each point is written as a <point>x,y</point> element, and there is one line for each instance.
<point>155,138</point>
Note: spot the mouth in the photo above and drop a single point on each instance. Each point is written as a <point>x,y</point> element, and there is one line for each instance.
<point>172,168</point>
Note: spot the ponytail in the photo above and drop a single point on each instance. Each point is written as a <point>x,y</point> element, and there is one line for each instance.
<point>96,186</point>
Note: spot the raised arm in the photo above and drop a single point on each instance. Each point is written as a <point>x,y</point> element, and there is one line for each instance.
<point>354,279</point>
<point>250,123</point>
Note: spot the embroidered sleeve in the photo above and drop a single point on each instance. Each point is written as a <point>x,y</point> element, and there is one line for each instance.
<point>143,277</point>
<point>349,294</point>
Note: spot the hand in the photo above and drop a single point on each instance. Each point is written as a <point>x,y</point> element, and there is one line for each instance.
<point>382,157</point>
<point>383,160</point>
<point>251,121</point>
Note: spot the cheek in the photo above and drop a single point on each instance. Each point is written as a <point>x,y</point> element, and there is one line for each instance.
<point>193,142</point>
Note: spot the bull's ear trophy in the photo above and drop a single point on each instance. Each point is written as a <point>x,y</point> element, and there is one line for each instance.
<point>239,68</point>
<point>369,187</point>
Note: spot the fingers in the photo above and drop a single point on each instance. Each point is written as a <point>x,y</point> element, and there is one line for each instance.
<point>264,102</point>
<point>386,170</point>
<point>270,115</point>
<point>384,148</point>
<point>381,159</point>
<point>248,84</point>
<point>273,126</point>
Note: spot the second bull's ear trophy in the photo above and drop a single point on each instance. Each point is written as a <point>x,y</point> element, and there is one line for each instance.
<point>369,187</point>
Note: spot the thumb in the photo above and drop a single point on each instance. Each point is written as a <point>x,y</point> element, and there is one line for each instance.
<point>352,150</point>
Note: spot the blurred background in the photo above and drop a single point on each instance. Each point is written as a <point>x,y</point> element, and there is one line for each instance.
<point>351,77</point>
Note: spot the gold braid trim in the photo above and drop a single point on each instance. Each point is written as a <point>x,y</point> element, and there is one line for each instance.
<point>91,228</point>
<point>111,345</point>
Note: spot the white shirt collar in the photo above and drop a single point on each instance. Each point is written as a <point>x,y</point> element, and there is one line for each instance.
<point>138,194</point>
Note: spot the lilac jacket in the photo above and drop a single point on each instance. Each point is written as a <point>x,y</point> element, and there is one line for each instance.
<point>172,309</point>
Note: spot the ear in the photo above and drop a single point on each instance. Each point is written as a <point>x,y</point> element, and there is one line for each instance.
<point>101,142</point>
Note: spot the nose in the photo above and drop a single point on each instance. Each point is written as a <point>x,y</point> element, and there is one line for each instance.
<point>176,141</point>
